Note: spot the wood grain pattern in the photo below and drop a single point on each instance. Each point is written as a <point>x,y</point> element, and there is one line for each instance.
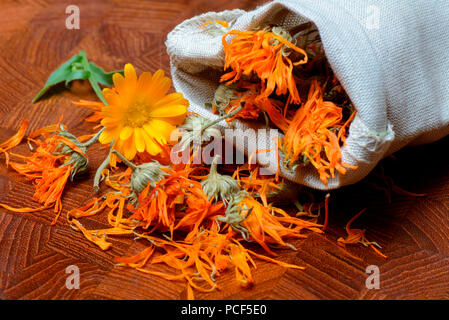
<point>413,232</point>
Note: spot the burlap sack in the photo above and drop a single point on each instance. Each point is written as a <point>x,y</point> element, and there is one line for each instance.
<point>391,56</point>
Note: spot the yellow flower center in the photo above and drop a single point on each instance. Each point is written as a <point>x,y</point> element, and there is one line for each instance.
<point>137,115</point>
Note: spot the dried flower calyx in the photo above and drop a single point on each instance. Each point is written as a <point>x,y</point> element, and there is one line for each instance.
<point>221,187</point>
<point>70,146</point>
<point>196,131</point>
<point>143,174</point>
<point>199,130</point>
<point>236,213</point>
<point>285,35</point>
<point>223,97</point>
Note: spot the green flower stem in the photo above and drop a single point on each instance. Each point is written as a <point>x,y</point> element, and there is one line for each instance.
<point>125,161</point>
<point>92,140</point>
<point>213,165</point>
<point>226,116</point>
<point>100,169</point>
<point>92,81</point>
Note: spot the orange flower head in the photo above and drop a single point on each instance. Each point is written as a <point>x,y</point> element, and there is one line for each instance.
<point>251,97</point>
<point>54,161</point>
<point>263,224</point>
<point>266,54</point>
<point>315,134</point>
<point>140,116</point>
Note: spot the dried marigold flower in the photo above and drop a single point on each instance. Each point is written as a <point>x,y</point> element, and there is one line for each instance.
<point>216,27</point>
<point>55,159</point>
<point>222,98</point>
<point>315,134</point>
<point>15,139</point>
<point>236,213</point>
<point>143,174</point>
<point>266,54</point>
<point>78,161</point>
<point>221,187</point>
<point>196,131</point>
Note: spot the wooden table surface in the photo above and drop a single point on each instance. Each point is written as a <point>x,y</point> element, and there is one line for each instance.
<point>34,255</point>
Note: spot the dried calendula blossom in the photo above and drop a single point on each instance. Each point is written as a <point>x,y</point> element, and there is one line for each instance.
<point>143,174</point>
<point>264,53</point>
<point>56,158</point>
<point>198,130</point>
<point>315,134</point>
<point>284,34</point>
<point>222,98</point>
<point>221,187</point>
<point>264,224</point>
<point>78,160</point>
<point>236,213</point>
<point>248,95</point>
<point>15,139</point>
<point>358,236</point>
<point>75,152</point>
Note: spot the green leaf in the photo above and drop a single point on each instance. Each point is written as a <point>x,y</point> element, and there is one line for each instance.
<point>59,75</point>
<point>77,75</point>
<point>105,78</point>
<point>79,68</point>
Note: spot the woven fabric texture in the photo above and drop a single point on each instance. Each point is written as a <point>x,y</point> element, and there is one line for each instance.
<point>390,56</point>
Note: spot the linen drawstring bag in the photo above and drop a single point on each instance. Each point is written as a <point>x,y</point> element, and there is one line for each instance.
<point>391,57</point>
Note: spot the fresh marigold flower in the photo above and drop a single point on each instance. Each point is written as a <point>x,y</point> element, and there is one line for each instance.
<point>95,106</point>
<point>265,53</point>
<point>140,116</point>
